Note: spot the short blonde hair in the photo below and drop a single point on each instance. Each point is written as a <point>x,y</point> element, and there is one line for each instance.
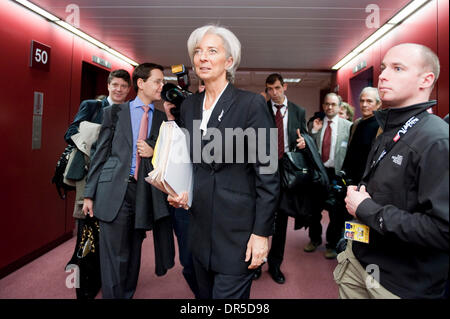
<point>230,42</point>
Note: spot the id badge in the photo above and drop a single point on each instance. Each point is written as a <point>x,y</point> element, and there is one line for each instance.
<point>356,231</point>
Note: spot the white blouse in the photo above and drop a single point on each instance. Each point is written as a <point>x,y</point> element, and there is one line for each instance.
<point>207,113</point>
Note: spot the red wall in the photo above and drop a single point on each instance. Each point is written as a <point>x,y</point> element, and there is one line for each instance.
<point>32,215</point>
<point>428,26</point>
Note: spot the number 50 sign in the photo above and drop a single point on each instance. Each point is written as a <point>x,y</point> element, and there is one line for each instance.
<point>40,56</point>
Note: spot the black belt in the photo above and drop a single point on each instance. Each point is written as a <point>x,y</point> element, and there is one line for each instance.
<point>131,179</point>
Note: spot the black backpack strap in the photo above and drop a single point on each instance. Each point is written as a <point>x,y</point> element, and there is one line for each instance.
<point>114,110</point>
<point>97,110</point>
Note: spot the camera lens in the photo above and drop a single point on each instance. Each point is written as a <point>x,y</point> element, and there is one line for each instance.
<point>172,94</point>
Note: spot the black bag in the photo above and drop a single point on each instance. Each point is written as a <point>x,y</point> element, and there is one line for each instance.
<point>296,170</point>
<point>58,177</point>
<point>77,169</point>
<point>61,165</point>
<point>87,257</point>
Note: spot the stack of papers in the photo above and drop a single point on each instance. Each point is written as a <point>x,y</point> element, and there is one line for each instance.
<point>172,165</point>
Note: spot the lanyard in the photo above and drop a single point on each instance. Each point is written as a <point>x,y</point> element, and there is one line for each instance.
<point>409,124</point>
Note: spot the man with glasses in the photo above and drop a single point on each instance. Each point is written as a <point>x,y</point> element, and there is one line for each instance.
<point>331,139</point>
<point>128,134</point>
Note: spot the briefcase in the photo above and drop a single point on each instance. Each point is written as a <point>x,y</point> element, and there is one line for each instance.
<point>295,170</point>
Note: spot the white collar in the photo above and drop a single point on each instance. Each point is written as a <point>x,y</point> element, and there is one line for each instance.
<point>285,102</point>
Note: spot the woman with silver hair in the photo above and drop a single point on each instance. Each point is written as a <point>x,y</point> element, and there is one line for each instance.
<point>234,198</point>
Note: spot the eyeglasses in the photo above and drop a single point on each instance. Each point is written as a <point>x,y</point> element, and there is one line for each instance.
<point>330,104</point>
<point>158,82</point>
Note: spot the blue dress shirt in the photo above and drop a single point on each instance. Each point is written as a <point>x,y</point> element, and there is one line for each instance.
<point>136,112</point>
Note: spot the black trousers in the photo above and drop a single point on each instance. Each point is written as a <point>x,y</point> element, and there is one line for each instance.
<point>276,253</point>
<point>338,215</point>
<point>120,250</point>
<point>286,207</point>
<point>181,228</point>
<point>213,285</point>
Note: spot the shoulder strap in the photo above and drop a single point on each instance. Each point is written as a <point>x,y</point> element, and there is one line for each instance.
<point>97,110</point>
<point>114,117</point>
<point>409,124</point>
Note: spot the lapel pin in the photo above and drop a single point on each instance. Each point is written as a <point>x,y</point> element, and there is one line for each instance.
<point>220,116</point>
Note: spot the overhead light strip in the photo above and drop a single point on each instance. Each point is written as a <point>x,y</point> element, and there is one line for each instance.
<point>38,10</point>
<point>401,16</point>
<point>293,80</point>
<point>74,30</point>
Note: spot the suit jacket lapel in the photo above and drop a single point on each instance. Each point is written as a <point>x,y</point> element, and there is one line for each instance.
<point>222,107</point>
<point>339,136</point>
<point>292,125</point>
<point>125,122</point>
<point>269,107</point>
<point>198,105</point>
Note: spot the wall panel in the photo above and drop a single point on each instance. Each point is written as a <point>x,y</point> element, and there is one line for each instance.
<point>32,214</point>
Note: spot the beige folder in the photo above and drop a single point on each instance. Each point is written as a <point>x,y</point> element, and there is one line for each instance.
<point>172,166</point>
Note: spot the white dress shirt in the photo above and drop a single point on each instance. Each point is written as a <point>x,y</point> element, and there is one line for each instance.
<point>334,129</point>
<point>284,111</point>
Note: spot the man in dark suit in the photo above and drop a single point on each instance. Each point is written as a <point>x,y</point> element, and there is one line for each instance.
<point>119,84</point>
<point>110,191</point>
<point>291,120</point>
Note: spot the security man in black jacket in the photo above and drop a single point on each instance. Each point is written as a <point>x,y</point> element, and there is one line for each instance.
<point>404,195</point>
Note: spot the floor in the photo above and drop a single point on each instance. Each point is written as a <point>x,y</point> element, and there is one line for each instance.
<point>308,275</point>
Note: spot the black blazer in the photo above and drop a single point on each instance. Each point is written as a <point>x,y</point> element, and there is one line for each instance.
<point>296,119</point>
<point>90,110</point>
<point>231,201</point>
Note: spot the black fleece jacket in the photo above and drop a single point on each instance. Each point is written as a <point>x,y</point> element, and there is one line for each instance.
<point>408,213</point>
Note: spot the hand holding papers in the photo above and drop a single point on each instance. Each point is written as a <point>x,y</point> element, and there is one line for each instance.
<point>172,171</point>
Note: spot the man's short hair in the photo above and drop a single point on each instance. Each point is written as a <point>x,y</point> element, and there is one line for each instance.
<point>271,79</point>
<point>120,73</point>
<point>374,91</point>
<point>429,58</point>
<point>335,95</point>
<point>430,61</point>
<point>142,71</point>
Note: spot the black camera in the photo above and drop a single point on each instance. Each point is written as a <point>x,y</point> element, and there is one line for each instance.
<point>176,94</point>
<point>338,191</point>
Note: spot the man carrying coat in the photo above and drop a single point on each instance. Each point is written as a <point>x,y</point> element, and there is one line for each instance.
<point>290,121</point>
<point>128,134</point>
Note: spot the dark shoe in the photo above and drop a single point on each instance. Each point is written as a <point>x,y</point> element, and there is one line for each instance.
<point>330,253</point>
<point>257,273</point>
<point>311,247</point>
<point>277,275</point>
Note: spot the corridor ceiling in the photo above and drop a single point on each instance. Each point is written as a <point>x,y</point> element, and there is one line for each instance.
<point>306,36</point>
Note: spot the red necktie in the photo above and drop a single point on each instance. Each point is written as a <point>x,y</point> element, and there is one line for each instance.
<point>326,143</point>
<point>279,123</point>
<point>143,129</point>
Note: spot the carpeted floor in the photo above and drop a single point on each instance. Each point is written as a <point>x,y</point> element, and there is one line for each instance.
<point>308,275</point>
